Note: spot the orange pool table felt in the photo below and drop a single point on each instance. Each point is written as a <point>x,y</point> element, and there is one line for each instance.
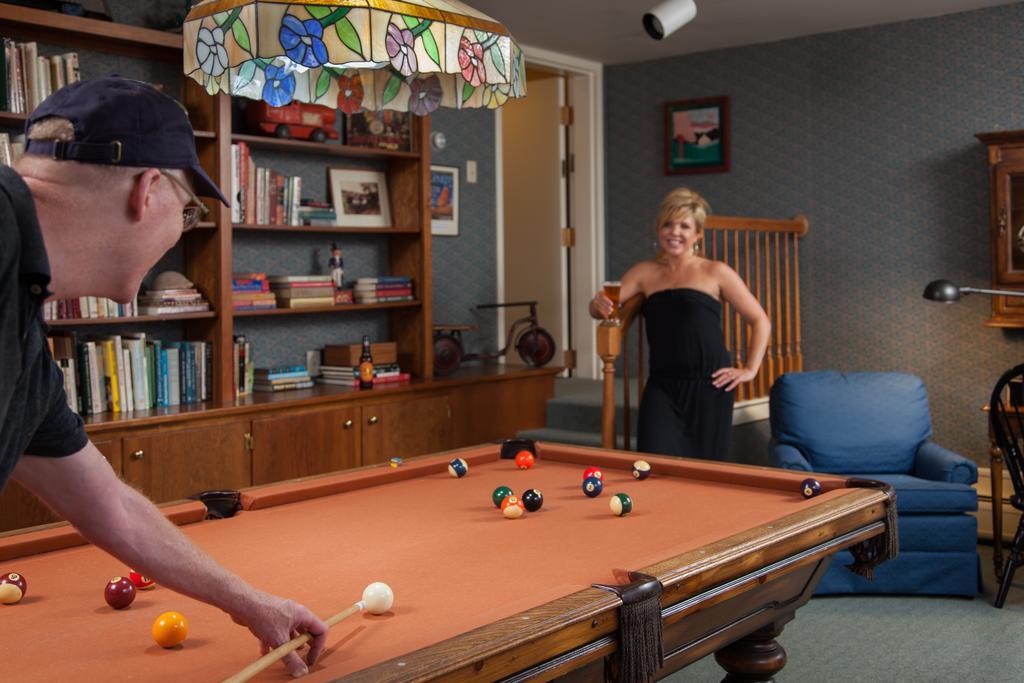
<point>454,562</point>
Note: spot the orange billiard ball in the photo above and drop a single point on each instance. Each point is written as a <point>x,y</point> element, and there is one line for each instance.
<point>170,629</point>
<point>512,507</point>
<point>524,460</point>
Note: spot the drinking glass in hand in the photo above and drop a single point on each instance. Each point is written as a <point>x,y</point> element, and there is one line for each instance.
<point>611,290</point>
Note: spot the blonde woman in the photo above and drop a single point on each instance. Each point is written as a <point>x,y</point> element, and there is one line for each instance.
<point>686,408</point>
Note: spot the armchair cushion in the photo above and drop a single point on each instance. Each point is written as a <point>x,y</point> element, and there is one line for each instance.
<point>788,457</point>
<point>940,464</point>
<point>921,496</point>
<point>852,423</point>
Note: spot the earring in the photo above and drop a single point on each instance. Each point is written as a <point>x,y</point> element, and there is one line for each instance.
<point>696,247</point>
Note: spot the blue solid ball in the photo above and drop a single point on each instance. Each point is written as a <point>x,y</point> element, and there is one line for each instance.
<point>592,487</point>
<point>458,468</point>
<point>810,487</point>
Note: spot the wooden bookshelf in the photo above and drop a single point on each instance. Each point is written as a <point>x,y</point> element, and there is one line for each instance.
<point>10,119</point>
<point>131,320</point>
<point>23,23</point>
<point>326,148</point>
<point>208,250</point>
<point>201,446</point>
<point>341,308</point>
<point>333,229</point>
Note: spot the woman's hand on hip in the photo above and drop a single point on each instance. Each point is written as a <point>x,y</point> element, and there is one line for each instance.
<point>730,378</point>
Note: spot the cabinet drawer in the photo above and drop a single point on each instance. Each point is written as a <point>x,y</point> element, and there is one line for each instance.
<point>170,465</point>
<point>303,444</point>
<point>407,428</point>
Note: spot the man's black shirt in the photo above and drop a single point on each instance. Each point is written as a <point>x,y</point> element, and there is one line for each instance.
<point>34,414</point>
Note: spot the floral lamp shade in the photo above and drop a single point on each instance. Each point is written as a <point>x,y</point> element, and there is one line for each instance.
<point>354,54</point>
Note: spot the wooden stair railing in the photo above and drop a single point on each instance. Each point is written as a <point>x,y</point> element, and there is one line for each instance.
<point>766,254</point>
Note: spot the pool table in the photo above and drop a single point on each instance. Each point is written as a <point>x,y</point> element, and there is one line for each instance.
<point>731,552</point>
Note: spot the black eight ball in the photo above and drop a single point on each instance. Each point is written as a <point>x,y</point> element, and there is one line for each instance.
<point>532,500</point>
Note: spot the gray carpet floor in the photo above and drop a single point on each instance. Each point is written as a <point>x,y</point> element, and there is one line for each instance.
<point>880,639</point>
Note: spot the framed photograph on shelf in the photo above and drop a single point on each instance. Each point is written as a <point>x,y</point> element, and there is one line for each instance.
<point>360,197</point>
<point>697,136</point>
<point>444,200</point>
<point>386,129</point>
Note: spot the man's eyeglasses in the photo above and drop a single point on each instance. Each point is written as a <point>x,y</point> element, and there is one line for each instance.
<point>193,213</point>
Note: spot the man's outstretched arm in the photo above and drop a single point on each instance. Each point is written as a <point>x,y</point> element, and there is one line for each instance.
<point>84,490</point>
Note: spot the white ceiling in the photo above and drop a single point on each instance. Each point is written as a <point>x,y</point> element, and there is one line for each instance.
<point>610,31</point>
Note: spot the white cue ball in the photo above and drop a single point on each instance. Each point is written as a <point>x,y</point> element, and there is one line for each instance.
<point>378,598</point>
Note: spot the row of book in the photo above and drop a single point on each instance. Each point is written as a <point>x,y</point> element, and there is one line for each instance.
<point>153,302</point>
<point>251,292</point>
<point>384,289</point>
<point>303,291</point>
<point>261,195</point>
<point>11,149</point>
<point>123,373</point>
<point>29,78</point>
<point>348,375</point>
<point>316,213</point>
<point>88,307</point>
<point>282,379</point>
<point>244,368</point>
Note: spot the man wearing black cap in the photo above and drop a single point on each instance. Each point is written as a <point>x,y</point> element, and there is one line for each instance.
<point>102,192</point>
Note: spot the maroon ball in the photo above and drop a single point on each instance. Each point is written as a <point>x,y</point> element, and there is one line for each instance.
<point>12,588</point>
<point>120,592</point>
<point>17,579</point>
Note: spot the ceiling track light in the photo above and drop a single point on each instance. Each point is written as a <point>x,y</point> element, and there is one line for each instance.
<point>668,17</point>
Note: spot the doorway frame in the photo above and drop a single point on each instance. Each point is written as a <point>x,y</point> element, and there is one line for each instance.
<point>586,83</point>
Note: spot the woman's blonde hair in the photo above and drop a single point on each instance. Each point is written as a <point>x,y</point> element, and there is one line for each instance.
<point>685,202</point>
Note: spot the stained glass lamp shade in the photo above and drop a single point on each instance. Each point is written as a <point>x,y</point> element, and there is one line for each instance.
<point>354,54</point>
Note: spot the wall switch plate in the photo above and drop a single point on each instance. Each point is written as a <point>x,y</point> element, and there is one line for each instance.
<point>471,171</point>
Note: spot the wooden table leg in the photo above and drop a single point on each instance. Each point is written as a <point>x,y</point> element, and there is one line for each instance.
<point>756,657</point>
<point>995,464</point>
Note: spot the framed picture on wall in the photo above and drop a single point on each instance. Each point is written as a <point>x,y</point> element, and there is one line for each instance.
<point>444,200</point>
<point>697,136</point>
<point>360,197</point>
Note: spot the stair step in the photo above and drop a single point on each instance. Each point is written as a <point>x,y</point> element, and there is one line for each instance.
<point>577,406</point>
<point>570,436</point>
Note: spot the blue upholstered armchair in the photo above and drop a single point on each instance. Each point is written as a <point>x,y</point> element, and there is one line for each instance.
<point>876,425</point>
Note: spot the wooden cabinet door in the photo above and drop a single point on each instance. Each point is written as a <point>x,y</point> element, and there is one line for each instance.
<point>406,428</point>
<point>170,465</point>
<point>19,508</point>
<point>490,411</point>
<point>302,444</point>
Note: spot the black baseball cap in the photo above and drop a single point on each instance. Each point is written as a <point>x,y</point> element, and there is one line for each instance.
<point>122,122</point>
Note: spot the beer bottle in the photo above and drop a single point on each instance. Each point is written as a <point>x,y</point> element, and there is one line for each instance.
<point>366,366</point>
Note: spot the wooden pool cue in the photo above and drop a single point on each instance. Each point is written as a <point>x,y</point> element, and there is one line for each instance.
<point>278,653</point>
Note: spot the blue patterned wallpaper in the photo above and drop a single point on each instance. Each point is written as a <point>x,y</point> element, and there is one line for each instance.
<point>870,134</point>
<point>464,266</point>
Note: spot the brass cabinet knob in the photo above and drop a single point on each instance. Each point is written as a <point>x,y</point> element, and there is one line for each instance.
<point>348,424</point>
<point>373,420</point>
<point>139,454</point>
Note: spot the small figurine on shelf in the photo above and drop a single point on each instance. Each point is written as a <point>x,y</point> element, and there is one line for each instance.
<point>337,266</point>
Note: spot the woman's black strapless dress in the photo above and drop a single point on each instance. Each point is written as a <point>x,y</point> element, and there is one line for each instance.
<point>681,411</point>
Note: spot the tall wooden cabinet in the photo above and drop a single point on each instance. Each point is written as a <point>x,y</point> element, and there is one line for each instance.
<point>1006,192</point>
